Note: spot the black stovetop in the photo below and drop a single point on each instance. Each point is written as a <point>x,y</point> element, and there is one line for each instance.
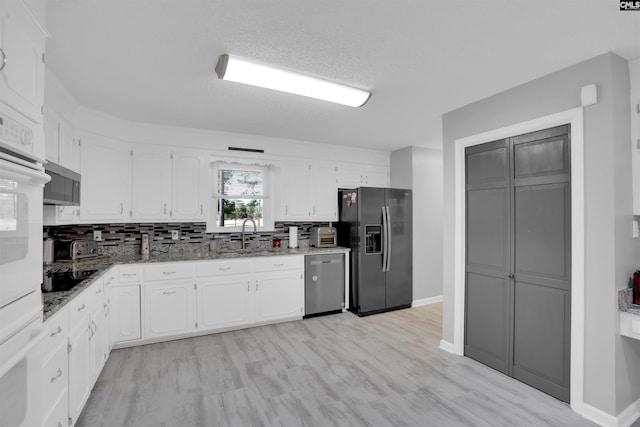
<point>56,281</point>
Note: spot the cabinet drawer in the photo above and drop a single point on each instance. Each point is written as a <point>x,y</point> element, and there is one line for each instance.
<point>168,271</point>
<point>217,268</point>
<point>130,274</point>
<point>58,326</point>
<point>278,263</point>
<point>59,417</point>
<point>80,308</point>
<point>55,377</point>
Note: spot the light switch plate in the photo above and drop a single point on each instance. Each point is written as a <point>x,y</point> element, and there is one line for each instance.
<point>97,235</point>
<point>175,235</point>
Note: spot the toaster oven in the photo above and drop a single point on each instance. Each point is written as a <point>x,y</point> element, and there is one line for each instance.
<point>323,237</point>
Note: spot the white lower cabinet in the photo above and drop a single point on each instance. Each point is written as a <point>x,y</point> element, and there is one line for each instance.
<point>125,317</point>
<point>224,302</point>
<point>55,371</point>
<point>279,295</point>
<point>80,371</point>
<point>169,308</point>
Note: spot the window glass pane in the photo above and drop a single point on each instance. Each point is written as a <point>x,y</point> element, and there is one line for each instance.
<point>237,210</point>
<point>240,182</point>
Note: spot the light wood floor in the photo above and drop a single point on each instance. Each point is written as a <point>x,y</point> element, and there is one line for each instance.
<point>381,370</point>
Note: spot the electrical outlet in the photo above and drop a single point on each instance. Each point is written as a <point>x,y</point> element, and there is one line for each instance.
<point>97,235</point>
<point>175,235</point>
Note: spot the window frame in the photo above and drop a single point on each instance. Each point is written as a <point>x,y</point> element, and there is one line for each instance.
<point>266,197</point>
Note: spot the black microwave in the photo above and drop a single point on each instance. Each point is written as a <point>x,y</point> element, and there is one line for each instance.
<point>64,187</point>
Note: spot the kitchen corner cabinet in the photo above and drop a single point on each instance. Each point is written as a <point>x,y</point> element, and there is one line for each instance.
<point>307,191</point>
<point>358,175</point>
<point>22,44</point>
<point>123,286</point>
<point>168,185</point>
<point>105,190</point>
<point>169,300</point>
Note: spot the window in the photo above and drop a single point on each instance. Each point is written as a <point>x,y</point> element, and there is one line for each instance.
<point>240,194</point>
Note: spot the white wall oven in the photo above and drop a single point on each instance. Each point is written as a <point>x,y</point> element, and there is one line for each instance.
<point>22,179</point>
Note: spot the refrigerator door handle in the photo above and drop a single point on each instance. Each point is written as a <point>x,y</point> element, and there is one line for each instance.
<point>388,239</point>
<point>384,239</point>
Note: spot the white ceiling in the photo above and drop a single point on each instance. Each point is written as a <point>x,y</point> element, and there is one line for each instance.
<point>153,60</point>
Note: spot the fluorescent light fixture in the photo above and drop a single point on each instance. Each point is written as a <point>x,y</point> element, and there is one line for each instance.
<point>241,70</point>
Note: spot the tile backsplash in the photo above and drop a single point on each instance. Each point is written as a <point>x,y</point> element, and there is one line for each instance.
<point>124,239</point>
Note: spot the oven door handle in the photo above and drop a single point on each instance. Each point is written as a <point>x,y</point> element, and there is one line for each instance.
<point>22,353</point>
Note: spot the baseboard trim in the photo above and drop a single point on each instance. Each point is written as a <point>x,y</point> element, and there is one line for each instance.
<point>426,301</point>
<point>629,415</point>
<point>447,346</point>
<point>598,416</point>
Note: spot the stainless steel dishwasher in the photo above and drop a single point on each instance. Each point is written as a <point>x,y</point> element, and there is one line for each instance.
<point>324,284</point>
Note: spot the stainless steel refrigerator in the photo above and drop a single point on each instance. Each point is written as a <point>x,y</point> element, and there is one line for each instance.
<point>376,223</point>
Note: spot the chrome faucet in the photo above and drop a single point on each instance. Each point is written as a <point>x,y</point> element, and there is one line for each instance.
<point>254,230</point>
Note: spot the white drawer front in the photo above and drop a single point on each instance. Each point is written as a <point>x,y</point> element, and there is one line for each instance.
<point>217,268</point>
<point>58,326</point>
<point>80,308</point>
<point>168,271</point>
<point>55,377</point>
<point>278,263</point>
<point>130,274</point>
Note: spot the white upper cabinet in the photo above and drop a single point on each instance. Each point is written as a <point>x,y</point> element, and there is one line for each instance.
<point>22,43</point>
<point>61,144</point>
<point>168,185</point>
<point>105,188</point>
<point>324,192</point>
<point>293,191</point>
<point>151,190</point>
<point>190,178</point>
<point>353,175</point>
<point>307,192</point>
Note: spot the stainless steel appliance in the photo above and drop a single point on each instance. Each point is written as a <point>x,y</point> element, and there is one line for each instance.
<point>63,280</point>
<point>75,249</point>
<point>376,223</point>
<point>323,237</point>
<point>64,187</point>
<point>324,284</point>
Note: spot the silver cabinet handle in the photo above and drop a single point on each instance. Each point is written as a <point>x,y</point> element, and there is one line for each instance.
<point>99,291</point>
<point>129,274</point>
<point>201,208</point>
<point>91,330</point>
<point>4,60</point>
<point>224,268</point>
<point>82,307</point>
<point>108,308</point>
<point>168,273</point>
<point>165,208</point>
<point>278,265</point>
<point>53,334</point>
<point>169,293</point>
<point>256,285</point>
<point>95,326</point>
<point>57,376</point>
<point>248,287</point>
<point>121,208</point>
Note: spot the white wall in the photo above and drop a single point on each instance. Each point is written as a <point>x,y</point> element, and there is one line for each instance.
<point>420,169</point>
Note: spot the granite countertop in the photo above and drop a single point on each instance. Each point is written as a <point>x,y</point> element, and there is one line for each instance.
<point>625,301</point>
<point>54,301</point>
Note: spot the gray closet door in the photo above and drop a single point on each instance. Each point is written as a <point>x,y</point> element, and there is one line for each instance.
<point>542,260</point>
<point>488,293</point>
<point>518,318</point>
